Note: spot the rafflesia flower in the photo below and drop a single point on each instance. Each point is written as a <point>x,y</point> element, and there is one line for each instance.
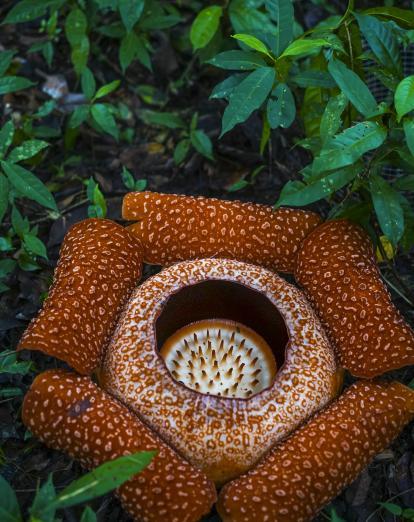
<point>217,362</point>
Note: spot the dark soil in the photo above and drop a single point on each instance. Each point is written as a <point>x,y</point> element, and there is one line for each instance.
<point>24,461</point>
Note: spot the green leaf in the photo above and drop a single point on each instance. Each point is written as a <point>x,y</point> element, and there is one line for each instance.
<point>404,97</point>
<point>140,185</point>
<point>104,118</point>
<point>107,89</point>
<point>133,46</point>
<point>88,515</point>
<point>383,42</point>
<point>4,196</point>
<point>392,508</point>
<point>331,118</point>
<point>9,507</point>
<point>335,517</point>
<point>181,151</point>
<point>130,11</point>
<point>80,54</point>
<point>6,58</point>
<point>387,207</point>
<point>301,47</point>
<point>238,185</point>
<point>226,87</point>
<point>20,224</point>
<point>353,87</point>
<point>28,10</point>
<point>28,185</point>
<point>202,143</point>
<point>10,364</point>
<point>6,137</point>
<point>127,179</point>
<point>88,83</point>
<point>205,26</point>
<point>247,97</point>
<point>405,183</point>
<point>403,17</point>
<point>240,60</point>
<point>281,108</point>
<point>281,11</point>
<point>34,245</point>
<point>44,496</point>
<point>253,43</point>
<point>408,125</point>
<point>164,119</point>
<point>348,146</point>
<point>314,79</point>
<point>76,25</point>
<point>78,116</point>
<point>297,195</point>
<point>6,267</point>
<point>26,150</point>
<point>14,83</point>
<point>103,479</point>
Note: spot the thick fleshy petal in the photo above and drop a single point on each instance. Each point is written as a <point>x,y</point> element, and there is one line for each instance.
<point>298,477</point>
<point>100,263</point>
<point>337,269</point>
<point>70,413</point>
<point>178,228</point>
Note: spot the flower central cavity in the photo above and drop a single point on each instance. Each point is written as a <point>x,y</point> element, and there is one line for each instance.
<point>220,357</point>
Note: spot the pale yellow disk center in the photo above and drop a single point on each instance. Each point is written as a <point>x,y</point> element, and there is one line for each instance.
<point>220,357</point>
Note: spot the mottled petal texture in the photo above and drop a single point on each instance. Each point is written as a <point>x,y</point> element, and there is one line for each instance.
<point>178,228</point>
<point>298,477</point>
<point>100,263</point>
<point>337,269</point>
<point>70,413</point>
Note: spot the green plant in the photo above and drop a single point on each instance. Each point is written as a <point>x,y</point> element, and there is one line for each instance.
<point>96,483</point>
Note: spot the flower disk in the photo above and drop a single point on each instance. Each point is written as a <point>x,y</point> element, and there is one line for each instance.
<point>178,228</point>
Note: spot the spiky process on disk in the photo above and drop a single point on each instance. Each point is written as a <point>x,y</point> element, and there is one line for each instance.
<point>70,413</point>
<point>175,228</point>
<point>299,476</point>
<point>100,263</point>
<point>337,269</point>
<point>224,436</point>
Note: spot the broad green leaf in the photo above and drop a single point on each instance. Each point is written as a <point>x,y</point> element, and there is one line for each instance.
<point>140,185</point>
<point>78,116</point>
<point>226,87</point>
<point>9,507</point>
<point>353,87</point>
<point>348,146</point>
<point>107,89</point>
<point>103,479</point>
<point>104,118</point>
<point>127,50</point>
<point>130,11</point>
<point>298,195</point>
<point>335,517</point>
<point>383,42</point>
<point>164,119</point>
<point>202,143</point>
<point>205,26</point>
<point>76,25</point>
<point>281,108</point>
<point>331,118</point>
<point>387,207</point>
<point>252,42</point>
<point>181,151</point>
<point>80,54</point>
<point>142,53</point>
<point>313,78</point>
<point>44,496</point>
<point>88,83</point>
<point>28,185</point>
<point>28,10</point>
<point>245,17</point>
<point>13,83</point>
<point>392,508</point>
<point>240,60</point>
<point>6,137</point>
<point>302,47</point>
<point>408,125</point>
<point>403,17</point>
<point>127,179</point>
<point>281,11</point>
<point>10,364</point>
<point>34,245</point>
<point>405,183</point>
<point>4,196</point>
<point>88,515</point>
<point>26,150</point>
<point>238,185</point>
<point>404,97</point>
<point>247,97</point>
<point>5,60</point>
<point>20,224</point>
